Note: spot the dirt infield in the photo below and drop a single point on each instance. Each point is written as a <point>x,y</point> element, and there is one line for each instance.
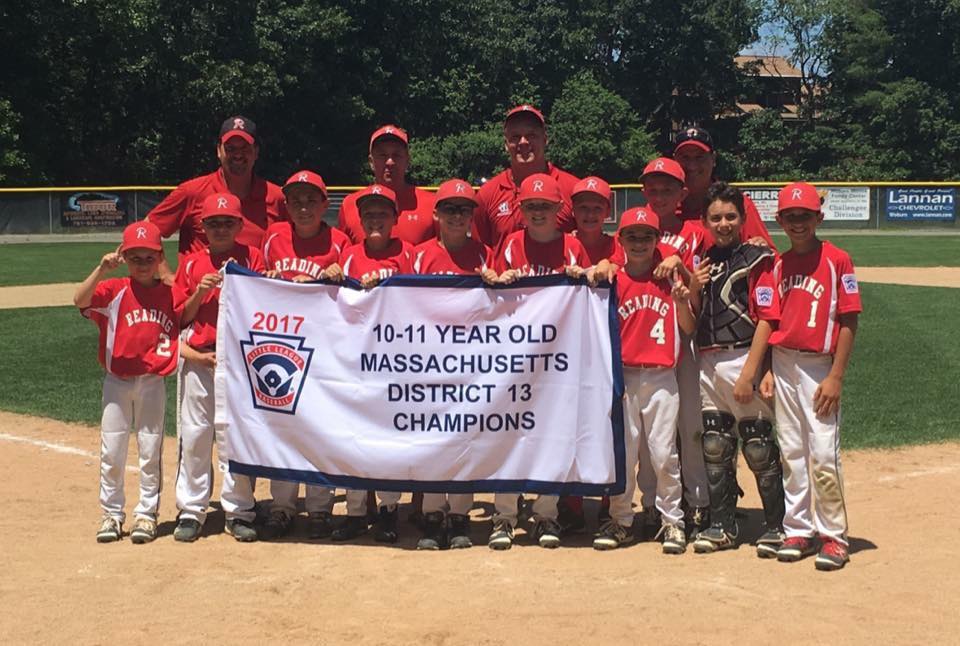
<point>58,584</point>
<point>62,293</point>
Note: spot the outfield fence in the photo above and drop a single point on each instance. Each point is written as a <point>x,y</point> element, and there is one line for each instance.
<point>847,205</point>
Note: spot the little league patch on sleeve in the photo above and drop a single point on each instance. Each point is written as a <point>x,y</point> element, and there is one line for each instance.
<point>764,296</point>
<point>849,282</point>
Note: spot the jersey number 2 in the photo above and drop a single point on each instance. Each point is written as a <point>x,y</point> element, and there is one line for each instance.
<point>163,348</point>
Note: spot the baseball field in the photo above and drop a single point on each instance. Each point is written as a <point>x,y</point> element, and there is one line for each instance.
<point>901,438</point>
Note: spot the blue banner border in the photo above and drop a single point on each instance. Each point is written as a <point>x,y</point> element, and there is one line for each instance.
<point>471,486</point>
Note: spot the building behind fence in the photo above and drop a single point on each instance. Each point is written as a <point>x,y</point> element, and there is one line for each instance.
<point>847,205</point>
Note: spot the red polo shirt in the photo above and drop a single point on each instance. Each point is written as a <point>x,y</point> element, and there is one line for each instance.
<point>180,211</point>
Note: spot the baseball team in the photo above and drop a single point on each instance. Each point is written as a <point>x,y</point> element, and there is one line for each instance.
<point>726,343</point>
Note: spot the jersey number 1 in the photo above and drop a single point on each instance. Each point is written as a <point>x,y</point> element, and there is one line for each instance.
<point>813,314</point>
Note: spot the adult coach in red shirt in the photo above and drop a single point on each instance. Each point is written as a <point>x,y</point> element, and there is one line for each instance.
<point>693,150</point>
<point>498,211</point>
<point>261,202</point>
<point>389,159</point>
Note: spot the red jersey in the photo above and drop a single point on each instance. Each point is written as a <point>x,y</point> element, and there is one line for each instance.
<point>433,258</point>
<point>685,240</point>
<point>649,334</point>
<point>291,255</point>
<point>498,211</point>
<point>180,211</point>
<point>358,263</point>
<point>139,327</point>
<point>753,225</point>
<point>533,258</point>
<point>604,249</point>
<point>815,288</point>
<point>414,221</point>
<point>202,332</point>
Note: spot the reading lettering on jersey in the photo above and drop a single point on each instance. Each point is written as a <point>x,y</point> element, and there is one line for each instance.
<point>301,265</point>
<point>381,273</point>
<point>644,301</point>
<point>849,282</point>
<point>221,202</point>
<point>801,281</point>
<point>152,315</point>
<point>673,240</point>
<point>764,296</point>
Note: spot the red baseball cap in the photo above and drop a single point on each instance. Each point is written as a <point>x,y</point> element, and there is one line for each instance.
<point>594,185</point>
<point>693,136</point>
<point>798,195</point>
<point>306,177</point>
<point>639,216</point>
<point>525,108</point>
<point>380,191</point>
<point>665,166</point>
<point>389,130</point>
<point>238,126</point>
<point>141,235</point>
<point>540,186</point>
<point>221,205</point>
<point>456,189</point>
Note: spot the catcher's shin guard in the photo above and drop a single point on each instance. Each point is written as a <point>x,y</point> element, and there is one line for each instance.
<point>720,455</point>
<point>763,458</point>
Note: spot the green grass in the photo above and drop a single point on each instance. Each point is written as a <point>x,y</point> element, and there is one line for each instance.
<point>50,366</point>
<point>901,387</point>
<point>890,251</point>
<point>60,262</point>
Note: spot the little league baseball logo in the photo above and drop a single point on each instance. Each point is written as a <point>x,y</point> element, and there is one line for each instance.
<point>277,364</point>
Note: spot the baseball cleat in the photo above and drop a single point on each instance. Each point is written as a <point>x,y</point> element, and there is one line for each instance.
<point>241,530</point>
<point>547,533</point>
<point>144,531</point>
<point>458,531</point>
<point>697,519</point>
<point>386,531</point>
<point>501,538</point>
<point>713,539</point>
<point>768,545</point>
<point>674,539</point>
<point>796,548</point>
<point>353,527</point>
<point>187,531</point>
<point>612,535</point>
<point>278,525</point>
<point>652,522</point>
<point>433,535</point>
<point>110,530</point>
<point>833,555</point>
<point>319,524</point>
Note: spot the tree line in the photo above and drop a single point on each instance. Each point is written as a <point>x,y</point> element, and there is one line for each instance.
<point>133,91</point>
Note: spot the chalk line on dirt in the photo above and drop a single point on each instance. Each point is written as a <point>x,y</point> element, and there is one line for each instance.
<point>58,448</point>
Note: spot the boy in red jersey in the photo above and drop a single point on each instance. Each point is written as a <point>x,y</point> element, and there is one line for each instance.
<point>591,206</point>
<point>820,304</point>
<point>738,310</point>
<point>197,290</point>
<point>139,328</point>
<point>452,252</point>
<point>650,311</point>
<point>379,256</point>
<point>302,250</point>
<point>538,250</point>
<point>541,248</point>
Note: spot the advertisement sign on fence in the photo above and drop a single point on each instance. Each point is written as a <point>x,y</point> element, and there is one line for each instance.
<point>93,210</point>
<point>840,203</point>
<point>917,203</point>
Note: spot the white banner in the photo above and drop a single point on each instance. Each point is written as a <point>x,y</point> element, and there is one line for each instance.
<point>426,383</point>
<point>840,203</point>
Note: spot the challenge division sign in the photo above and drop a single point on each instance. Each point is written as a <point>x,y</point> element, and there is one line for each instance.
<point>422,384</point>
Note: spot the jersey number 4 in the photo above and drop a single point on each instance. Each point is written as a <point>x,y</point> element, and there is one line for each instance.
<point>656,332</point>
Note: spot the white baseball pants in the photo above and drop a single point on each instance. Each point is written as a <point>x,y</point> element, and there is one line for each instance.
<point>505,507</point>
<point>285,493</point>
<point>652,405</point>
<point>810,448</point>
<point>137,403</point>
<point>459,503</point>
<point>719,371</point>
<point>357,501</point>
<point>197,435</point>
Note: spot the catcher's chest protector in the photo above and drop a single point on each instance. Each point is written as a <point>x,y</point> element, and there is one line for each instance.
<point>725,320</point>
